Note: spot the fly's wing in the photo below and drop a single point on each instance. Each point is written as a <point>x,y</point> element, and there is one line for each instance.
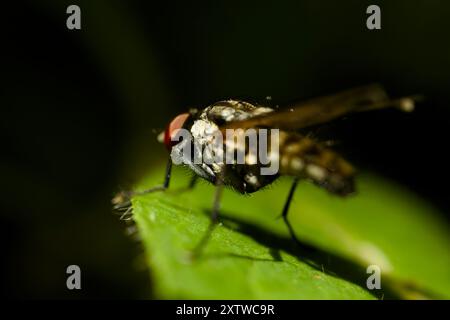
<point>325,109</point>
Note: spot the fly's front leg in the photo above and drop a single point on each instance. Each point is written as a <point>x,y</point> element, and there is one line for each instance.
<point>285,212</point>
<point>122,199</point>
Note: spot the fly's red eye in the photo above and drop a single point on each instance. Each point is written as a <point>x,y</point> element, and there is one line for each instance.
<point>172,129</point>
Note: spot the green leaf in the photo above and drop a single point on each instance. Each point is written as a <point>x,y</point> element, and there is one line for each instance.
<point>250,254</point>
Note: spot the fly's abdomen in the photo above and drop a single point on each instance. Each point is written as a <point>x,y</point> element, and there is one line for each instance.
<point>306,158</point>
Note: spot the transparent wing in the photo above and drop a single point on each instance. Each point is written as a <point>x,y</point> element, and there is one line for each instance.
<point>325,109</point>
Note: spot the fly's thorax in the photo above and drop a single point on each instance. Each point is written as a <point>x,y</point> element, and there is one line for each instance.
<point>306,158</point>
<point>211,150</point>
<point>232,110</point>
<point>207,135</point>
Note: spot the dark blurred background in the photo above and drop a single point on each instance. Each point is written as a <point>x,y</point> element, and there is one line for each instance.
<point>80,110</point>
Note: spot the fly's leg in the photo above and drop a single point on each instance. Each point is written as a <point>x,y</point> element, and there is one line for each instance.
<point>122,199</point>
<point>192,182</point>
<point>214,218</point>
<point>284,214</point>
<point>162,187</point>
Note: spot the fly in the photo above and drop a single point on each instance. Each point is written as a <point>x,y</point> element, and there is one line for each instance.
<point>297,155</point>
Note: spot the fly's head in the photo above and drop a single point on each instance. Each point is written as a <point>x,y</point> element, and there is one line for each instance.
<point>186,137</point>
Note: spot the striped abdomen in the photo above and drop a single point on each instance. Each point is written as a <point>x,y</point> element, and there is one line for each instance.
<point>305,158</point>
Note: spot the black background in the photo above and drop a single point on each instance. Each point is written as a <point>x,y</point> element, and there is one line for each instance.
<point>80,110</point>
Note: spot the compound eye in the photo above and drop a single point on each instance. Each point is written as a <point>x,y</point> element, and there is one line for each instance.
<point>172,129</point>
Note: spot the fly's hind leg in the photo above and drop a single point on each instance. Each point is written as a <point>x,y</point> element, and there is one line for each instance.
<point>285,212</point>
